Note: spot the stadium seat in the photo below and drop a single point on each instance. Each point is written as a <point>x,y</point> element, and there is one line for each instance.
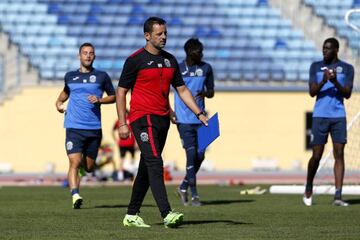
<point>236,34</point>
<point>356,3</point>
<point>333,12</point>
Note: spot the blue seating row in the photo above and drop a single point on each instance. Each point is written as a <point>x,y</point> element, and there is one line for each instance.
<point>244,39</point>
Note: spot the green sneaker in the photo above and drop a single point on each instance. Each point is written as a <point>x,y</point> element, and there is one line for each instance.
<point>82,171</point>
<point>77,201</point>
<point>173,219</point>
<point>134,221</point>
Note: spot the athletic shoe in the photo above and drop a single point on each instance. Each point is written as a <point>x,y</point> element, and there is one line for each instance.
<point>183,196</point>
<point>173,219</point>
<point>134,221</point>
<point>341,203</point>
<point>77,201</point>
<point>196,202</point>
<point>81,171</point>
<point>307,200</point>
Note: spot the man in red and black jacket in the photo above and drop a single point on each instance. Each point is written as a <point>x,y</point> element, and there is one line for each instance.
<point>148,73</point>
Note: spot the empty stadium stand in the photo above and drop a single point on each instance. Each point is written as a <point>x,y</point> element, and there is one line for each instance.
<point>333,11</point>
<point>246,41</point>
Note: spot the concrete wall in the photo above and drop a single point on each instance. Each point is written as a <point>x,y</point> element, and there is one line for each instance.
<point>253,125</point>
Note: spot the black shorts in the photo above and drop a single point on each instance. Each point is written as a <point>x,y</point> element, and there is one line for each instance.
<point>83,141</point>
<point>124,150</point>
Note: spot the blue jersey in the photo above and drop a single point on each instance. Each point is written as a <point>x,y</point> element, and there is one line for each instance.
<point>329,101</point>
<point>196,78</point>
<point>80,112</point>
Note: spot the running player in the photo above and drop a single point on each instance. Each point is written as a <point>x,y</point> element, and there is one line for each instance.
<point>84,88</point>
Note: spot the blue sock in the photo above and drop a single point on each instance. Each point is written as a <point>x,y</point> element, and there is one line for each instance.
<point>338,193</point>
<point>74,191</point>
<point>190,171</point>
<point>184,185</point>
<point>194,192</point>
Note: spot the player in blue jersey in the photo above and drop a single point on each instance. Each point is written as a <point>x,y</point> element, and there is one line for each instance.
<point>331,80</point>
<point>198,77</point>
<point>84,89</point>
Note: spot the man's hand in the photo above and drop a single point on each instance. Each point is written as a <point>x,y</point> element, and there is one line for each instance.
<point>124,132</point>
<point>204,119</point>
<point>332,75</point>
<point>173,116</point>
<point>93,99</point>
<point>329,74</point>
<point>60,107</point>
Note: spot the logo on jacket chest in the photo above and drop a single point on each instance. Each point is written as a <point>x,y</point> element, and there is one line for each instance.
<point>92,79</point>
<point>198,73</point>
<point>167,62</point>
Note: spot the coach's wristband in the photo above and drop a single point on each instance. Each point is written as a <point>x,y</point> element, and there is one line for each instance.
<point>123,125</point>
<point>200,113</point>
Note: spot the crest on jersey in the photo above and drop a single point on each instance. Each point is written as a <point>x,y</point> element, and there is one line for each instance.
<point>69,145</point>
<point>167,62</point>
<point>339,69</point>
<point>144,137</point>
<point>92,78</point>
<point>199,72</point>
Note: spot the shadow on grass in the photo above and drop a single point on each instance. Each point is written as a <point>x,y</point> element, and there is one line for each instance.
<point>221,202</point>
<point>353,201</point>
<point>197,222</point>
<point>229,222</point>
<point>121,206</point>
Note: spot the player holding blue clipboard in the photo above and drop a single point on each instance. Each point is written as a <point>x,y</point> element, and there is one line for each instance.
<point>198,77</point>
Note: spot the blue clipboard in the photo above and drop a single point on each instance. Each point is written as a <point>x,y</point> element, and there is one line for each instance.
<point>208,134</point>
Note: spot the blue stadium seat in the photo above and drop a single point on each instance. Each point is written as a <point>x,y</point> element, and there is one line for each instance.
<point>356,3</point>
<point>333,12</point>
<point>92,20</point>
<point>242,38</point>
<point>280,44</point>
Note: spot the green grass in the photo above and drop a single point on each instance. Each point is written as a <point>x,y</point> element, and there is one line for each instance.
<point>45,213</point>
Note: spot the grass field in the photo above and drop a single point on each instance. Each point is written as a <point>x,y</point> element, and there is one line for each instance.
<point>45,213</point>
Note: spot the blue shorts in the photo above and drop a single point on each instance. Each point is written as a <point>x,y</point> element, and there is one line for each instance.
<point>321,127</point>
<point>83,141</point>
<point>188,134</point>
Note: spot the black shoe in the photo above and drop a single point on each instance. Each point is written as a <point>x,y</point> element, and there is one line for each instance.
<point>183,196</point>
<point>196,202</point>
